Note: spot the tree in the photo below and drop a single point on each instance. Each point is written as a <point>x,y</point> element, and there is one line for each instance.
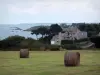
<point>82,27</point>
<point>97,27</point>
<point>36,32</point>
<point>43,31</point>
<point>64,25</point>
<point>91,30</point>
<point>47,33</point>
<point>55,29</point>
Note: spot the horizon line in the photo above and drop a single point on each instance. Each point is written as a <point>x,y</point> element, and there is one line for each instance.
<point>49,23</point>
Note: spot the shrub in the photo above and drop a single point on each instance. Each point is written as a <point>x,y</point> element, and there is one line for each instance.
<point>27,43</point>
<point>96,40</point>
<point>66,42</point>
<point>71,46</point>
<point>81,40</point>
<point>54,47</point>
<point>72,41</point>
<point>36,46</point>
<point>11,41</point>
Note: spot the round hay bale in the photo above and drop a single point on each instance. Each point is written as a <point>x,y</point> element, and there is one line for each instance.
<point>72,59</point>
<point>24,53</point>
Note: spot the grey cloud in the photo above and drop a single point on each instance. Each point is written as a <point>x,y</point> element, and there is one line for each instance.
<point>95,4</point>
<point>90,12</point>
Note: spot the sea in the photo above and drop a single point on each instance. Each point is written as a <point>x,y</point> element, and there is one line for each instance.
<point>7,30</point>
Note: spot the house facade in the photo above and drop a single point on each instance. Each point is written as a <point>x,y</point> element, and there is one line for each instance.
<point>70,33</point>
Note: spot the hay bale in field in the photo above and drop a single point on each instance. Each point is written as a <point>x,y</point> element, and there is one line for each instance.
<point>72,59</point>
<point>24,53</point>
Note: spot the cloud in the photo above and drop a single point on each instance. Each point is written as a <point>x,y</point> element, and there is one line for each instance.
<point>95,4</point>
<point>36,7</point>
<point>57,10</point>
<point>49,6</point>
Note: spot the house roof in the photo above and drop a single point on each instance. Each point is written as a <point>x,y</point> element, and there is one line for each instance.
<point>71,29</point>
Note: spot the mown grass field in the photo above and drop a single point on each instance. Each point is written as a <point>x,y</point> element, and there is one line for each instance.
<point>48,63</point>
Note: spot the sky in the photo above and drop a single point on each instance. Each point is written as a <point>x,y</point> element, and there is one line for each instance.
<point>49,11</point>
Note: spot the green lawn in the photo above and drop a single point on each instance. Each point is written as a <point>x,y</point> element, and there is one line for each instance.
<point>48,63</point>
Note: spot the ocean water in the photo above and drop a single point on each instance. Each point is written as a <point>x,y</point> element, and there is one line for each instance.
<point>7,30</point>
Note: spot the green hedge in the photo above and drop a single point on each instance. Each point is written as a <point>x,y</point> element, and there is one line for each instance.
<point>54,48</point>
<point>96,40</point>
<point>71,46</point>
<point>71,41</point>
<point>45,48</point>
<point>66,42</point>
<point>81,40</point>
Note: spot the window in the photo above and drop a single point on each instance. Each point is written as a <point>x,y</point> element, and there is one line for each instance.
<point>82,34</point>
<point>52,42</point>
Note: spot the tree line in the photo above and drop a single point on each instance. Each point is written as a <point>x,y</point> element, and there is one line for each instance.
<point>92,29</point>
<point>47,34</point>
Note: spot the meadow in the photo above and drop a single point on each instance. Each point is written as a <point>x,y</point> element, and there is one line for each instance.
<point>48,63</point>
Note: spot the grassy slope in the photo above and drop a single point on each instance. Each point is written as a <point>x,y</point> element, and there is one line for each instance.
<point>48,63</point>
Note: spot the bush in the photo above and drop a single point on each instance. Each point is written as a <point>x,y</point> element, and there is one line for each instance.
<point>66,42</point>
<point>27,43</point>
<point>82,40</point>
<point>17,42</point>
<point>12,41</point>
<point>71,46</point>
<point>96,40</point>
<point>37,46</point>
<point>33,45</point>
<point>71,41</point>
<point>54,48</point>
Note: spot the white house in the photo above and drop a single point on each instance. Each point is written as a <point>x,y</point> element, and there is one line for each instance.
<point>70,33</point>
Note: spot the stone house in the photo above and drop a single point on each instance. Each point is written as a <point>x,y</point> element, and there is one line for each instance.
<point>70,33</point>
